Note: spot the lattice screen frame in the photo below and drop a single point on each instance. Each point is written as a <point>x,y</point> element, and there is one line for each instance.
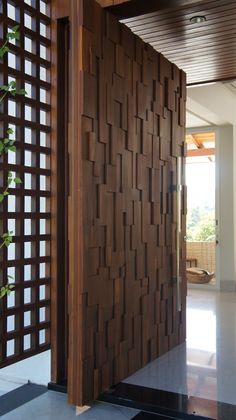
<point>25,314</point>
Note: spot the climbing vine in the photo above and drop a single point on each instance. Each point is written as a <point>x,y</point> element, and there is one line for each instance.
<point>8,144</point>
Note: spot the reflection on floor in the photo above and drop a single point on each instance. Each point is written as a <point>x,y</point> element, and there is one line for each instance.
<point>206,365</point>
<point>53,406</point>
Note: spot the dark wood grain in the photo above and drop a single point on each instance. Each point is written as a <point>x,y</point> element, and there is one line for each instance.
<point>126,136</point>
<point>206,51</point>
<point>128,8</point>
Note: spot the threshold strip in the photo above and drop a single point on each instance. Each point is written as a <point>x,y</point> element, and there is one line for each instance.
<point>174,405</point>
<point>148,416</point>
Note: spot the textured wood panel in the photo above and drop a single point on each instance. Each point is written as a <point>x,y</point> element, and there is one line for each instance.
<point>132,131</point>
<point>205,51</point>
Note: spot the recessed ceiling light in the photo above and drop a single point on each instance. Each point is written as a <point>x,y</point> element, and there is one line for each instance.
<point>198,19</point>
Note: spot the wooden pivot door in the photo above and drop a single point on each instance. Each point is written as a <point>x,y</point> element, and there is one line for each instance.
<point>126,203</point>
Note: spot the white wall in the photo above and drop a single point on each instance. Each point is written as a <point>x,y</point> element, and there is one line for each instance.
<point>225,187</point>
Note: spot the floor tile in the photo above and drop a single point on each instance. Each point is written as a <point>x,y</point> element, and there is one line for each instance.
<point>7,386</point>
<point>204,366</point>
<point>53,406</point>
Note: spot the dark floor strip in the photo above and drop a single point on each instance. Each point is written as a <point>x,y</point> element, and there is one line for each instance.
<point>170,404</point>
<point>148,416</point>
<point>20,396</point>
<point>59,387</point>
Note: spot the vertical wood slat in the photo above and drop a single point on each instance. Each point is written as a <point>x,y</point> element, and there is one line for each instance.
<point>127,130</point>
<point>59,125</point>
<point>75,298</point>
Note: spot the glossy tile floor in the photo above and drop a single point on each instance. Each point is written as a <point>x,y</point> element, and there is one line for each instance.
<point>7,386</point>
<point>53,406</point>
<point>206,365</point>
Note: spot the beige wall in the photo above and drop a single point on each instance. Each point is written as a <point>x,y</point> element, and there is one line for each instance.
<point>204,252</point>
<point>226,211</point>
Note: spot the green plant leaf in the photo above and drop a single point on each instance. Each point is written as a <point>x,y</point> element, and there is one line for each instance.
<point>4,88</point>
<point>2,292</point>
<point>3,50</point>
<point>21,92</point>
<point>13,34</point>
<point>6,239</point>
<point>6,145</point>
<point>17,180</point>
<point>12,148</point>
<point>6,290</point>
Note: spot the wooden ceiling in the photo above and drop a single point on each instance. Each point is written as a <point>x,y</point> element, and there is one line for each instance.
<point>200,145</point>
<point>205,51</point>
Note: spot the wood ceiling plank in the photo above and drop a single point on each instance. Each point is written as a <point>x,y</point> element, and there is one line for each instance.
<point>188,44</point>
<point>170,13</point>
<point>132,8</point>
<point>208,63</point>
<point>194,82</point>
<point>219,51</point>
<point>228,41</point>
<point>169,16</point>
<point>216,72</point>
<point>193,37</point>
<point>179,19</point>
<point>202,78</point>
<point>196,140</point>
<point>108,3</point>
<point>203,137</point>
<point>189,30</point>
<point>206,52</point>
<point>201,152</point>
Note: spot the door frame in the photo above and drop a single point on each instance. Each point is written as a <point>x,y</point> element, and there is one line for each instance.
<point>215,129</point>
<point>59,10</point>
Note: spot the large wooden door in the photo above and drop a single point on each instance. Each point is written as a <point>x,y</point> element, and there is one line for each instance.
<point>127,133</point>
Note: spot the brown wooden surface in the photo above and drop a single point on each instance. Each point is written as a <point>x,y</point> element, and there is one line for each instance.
<point>76,239</point>
<point>27,310</point>
<point>107,3</point>
<point>59,272</point>
<point>201,152</point>
<point>205,51</point>
<point>130,8</point>
<point>125,140</point>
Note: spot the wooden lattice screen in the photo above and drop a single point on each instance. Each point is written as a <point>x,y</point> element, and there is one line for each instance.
<point>25,314</point>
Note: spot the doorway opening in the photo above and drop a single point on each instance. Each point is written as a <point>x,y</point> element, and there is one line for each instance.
<point>202,218</point>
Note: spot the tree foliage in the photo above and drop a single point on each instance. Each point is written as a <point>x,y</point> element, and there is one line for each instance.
<point>201,225</point>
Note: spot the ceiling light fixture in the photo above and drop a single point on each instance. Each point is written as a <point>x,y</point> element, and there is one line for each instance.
<point>198,19</point>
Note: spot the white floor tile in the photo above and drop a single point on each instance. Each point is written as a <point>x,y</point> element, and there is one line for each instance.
<point>206,365</point>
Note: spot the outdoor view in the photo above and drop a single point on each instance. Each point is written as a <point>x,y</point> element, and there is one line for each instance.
<point>200,180</point>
